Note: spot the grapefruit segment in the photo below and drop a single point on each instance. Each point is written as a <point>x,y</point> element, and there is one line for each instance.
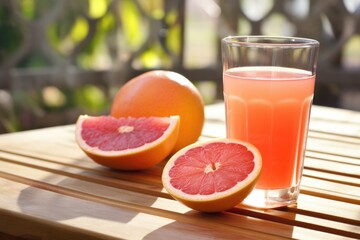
<point>214,175</point>
<point>127,143</point>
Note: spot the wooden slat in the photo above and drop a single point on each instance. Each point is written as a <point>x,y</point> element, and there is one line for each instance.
<point>332,177</point>
<point>303,221</point>
<point>330,190</point>
<point>321,155</point>
<point>334,148</point>
<point>333,137</point>
<point>342,169</point>
<point>338,115</point>
<point>337,128</point>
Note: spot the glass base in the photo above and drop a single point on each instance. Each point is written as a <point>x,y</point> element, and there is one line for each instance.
<point>274,198</point>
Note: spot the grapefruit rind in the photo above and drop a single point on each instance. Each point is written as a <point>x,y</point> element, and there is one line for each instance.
<point>138,158</point>
<point>218,201</point>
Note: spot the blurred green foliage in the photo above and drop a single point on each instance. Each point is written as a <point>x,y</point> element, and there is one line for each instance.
<point>88,35</point>
<point>11,36</point>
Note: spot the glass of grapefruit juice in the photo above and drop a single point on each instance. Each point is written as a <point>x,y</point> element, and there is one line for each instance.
<point>268,91</point>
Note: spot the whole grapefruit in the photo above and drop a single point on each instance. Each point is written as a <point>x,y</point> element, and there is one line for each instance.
<point>163,94</point>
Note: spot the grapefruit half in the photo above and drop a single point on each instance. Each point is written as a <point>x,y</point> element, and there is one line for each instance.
<point>127,143</point>
<point>214,175</point>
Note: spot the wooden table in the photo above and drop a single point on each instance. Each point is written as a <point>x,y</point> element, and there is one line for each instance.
<point>50,190</point>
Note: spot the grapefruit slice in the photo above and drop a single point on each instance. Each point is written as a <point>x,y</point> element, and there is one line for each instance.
<point>212,176</point>
<point>127,143</point>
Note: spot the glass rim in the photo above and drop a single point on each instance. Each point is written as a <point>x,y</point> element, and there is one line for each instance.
<point>269,41</point>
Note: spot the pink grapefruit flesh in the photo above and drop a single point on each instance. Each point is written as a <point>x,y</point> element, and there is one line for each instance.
<point>127,143</point>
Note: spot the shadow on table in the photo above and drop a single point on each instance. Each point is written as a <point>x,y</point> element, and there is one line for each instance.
<point>52,206</point>
<point>224,225</point>
<point>65,196</point>
<point>74,197</point>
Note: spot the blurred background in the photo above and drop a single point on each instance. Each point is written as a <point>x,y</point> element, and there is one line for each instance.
<point>62,58</point>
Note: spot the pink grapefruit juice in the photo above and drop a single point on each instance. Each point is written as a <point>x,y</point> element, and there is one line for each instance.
<point>270,107</point>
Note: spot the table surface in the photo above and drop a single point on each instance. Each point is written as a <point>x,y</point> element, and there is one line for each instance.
<point>51,190</point>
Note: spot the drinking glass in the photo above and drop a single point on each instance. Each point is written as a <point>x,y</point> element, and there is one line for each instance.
<point>268,92</point>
